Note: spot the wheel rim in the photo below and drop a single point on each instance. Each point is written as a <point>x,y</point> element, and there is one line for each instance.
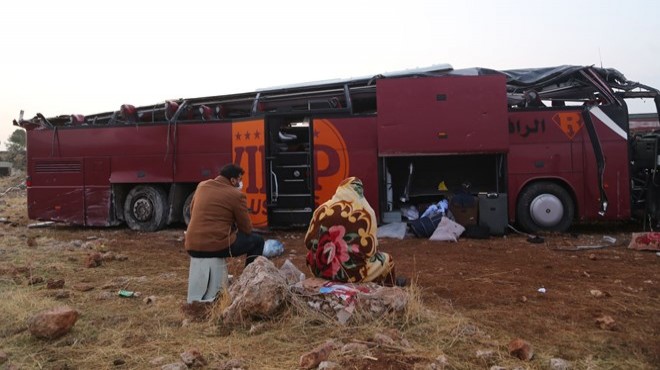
<point>143,209</point>
<point>546,210</point>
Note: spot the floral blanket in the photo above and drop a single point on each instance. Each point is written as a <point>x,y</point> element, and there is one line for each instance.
<point>341,239</point>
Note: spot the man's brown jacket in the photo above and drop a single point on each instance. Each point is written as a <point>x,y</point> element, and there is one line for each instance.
<point>217,211</point>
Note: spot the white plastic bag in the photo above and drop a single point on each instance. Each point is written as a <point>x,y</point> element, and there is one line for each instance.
<point>273,248</point>
<point>447,230</point>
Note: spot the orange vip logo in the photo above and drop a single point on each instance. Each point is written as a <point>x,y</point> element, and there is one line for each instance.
<point>248,152</point>
<point>331,164</point>
<point>569,122</point>
<point>331,160</point>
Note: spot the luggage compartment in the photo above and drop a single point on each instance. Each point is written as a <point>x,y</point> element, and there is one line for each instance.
<point>424,180</point>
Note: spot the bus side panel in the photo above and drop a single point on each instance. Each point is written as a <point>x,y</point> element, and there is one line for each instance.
<point>57,192</point>
<point>202,150</point>
<point>98,196</point>
<point>141,169</point>
<point>466,114</point>
<point>546,144</point>
<point>345,147</point>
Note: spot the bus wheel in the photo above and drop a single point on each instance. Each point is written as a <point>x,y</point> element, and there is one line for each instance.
<point>545,206</point>
<point>145,208</point>
<point>186,208</point>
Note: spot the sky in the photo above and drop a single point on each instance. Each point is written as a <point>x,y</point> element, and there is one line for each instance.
<point>84,57</point>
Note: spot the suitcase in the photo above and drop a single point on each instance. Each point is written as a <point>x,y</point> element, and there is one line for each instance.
<point>493,212</point>
<point>465,208</point>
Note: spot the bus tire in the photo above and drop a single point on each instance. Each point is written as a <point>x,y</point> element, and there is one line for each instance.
<point>145,208</point>
<point>545,206</point>
<point>186,208</point>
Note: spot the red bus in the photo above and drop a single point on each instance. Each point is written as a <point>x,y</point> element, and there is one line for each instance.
<point>553,144</point>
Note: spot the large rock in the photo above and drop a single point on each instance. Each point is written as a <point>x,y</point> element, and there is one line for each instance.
<point>259,293</point>
<point>52,323</point>
<point>383,299</point>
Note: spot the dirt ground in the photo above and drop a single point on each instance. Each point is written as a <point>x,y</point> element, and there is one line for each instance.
<point>493,283</point>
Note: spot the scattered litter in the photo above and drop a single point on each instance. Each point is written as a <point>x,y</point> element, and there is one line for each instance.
<point>128,293</point>
<point>40,224</point>
<point>273,248</point>
<point>541,290</point>
<point>535,239</point>
<point>609,239</point>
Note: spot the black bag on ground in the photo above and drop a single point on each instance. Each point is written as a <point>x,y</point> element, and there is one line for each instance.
<point>424,227</point>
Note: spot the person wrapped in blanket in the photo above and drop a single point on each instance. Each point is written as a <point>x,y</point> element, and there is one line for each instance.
<point>341,240</point>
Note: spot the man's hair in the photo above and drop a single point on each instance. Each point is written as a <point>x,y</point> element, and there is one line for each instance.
<point>231,171</point>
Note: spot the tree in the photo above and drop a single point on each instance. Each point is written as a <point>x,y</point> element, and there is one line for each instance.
<point>16,148</point>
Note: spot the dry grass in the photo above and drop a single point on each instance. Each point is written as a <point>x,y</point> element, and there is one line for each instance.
<point>111,328</point>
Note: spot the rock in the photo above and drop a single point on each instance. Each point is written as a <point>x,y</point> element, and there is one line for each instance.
<point>314,357</point>
<point>495,367</point>
<point>93,260</point>
<point>3,357</point>
<point>62,294</point>
<point>606,322</point>
<point>356,348</point>
<point>52,323</point>
<point>174,366</point>
<point>157,360</point>
<point>382,300</point>
<point>33,280</point>
<point>149,300</point>
<point>259,293</point>
<point>328,365</point>
<point>121,257</point>
<point>55,284</point>
<point>118,362</point>
<point>83,287</point>
<point>233,364</point>
<point>108,256</point>
<point>592,257</point>
<point>521,349</point>
<point>383,339</point>
<point>559,364</point>
<point>599,294</point>
<point>193,358</point>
